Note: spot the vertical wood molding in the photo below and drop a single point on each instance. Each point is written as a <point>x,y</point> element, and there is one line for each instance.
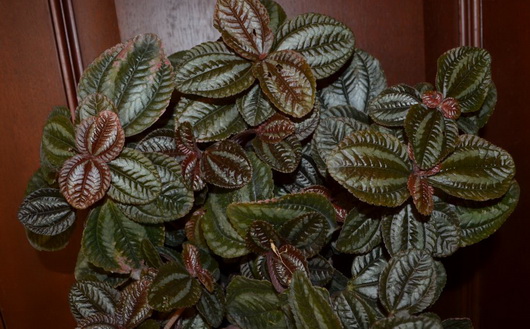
<point>68,50</point>
<point>470,14</point>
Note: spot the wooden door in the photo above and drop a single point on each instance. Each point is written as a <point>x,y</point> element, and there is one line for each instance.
<point>45,44</point>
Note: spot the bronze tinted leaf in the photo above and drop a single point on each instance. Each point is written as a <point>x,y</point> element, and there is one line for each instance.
<point>282,263</point>
<point>185,140</point>
<point>287,80</point>
<point>100,136</point>
<point>244,26</point>
<point>307,232</point>
<point>283,156</point>
<point>225,164</point>
<point>422,193</point>
<point>275,129</point>
<point>192,173</point>
<point>254,106</point>
<point>84,180</point>
<point>261,236</point>
<point>92,105</point>
<point>134,306</point>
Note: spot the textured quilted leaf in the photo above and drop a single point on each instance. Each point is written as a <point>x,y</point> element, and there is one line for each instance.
<point>225,164</point>
<point>175,199</point>
<point>325,42</point>
<point>470,123</point>
<point>476,170</point>
<point>391,106</point>
<point>409,282</point>
<point>160,141</point>
<point>374,167</point>
<point>310,305</point>
<point>185,140</point>
<point>283,156</point>
<point>134,307</point>
<point>366,270</point>
<point>99,321</point>
<point>135,179</point>
<point>360,232</point>
<point>192,173</point>
<point>46,212</point>
<point>430,135</point>
<point>354,311</point>
<point>465,74</point>
<point>320,270</point>
<point>88,298</point>
<point>275,129</point>
<point>304,127</point>
<point>261,236</point>
<point>210,122</point>
<point>92,105</point>
<point>213,70</point>
<point>306,232</point>
<point>100,136</point>
<point>58,139</point>
<point>422,193</point>
<point>173,287</point>
<point>84,180</point>
<point>212,306</point>
<point>244,26</point>
<point>254,304</point>
<point>332,131</point>
<point>254,106</point>
<point>112,241</point>
<point>287,80</point>
<point>346,111</point>
<point>282,263</point>
<point>362,80</point>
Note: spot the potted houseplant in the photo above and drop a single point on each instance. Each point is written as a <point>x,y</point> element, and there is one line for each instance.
<point>284,185</point>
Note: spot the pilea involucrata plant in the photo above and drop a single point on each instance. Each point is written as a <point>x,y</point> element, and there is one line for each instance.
<point>283,186</point>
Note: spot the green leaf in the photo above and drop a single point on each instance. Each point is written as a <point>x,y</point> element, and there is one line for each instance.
<point>276,14</point>
<point>173,287</point>
<point>361,82</point>
<point>279,211</point>
<point>100,321</point>
<point>431,135</point>
<point>58,137</point>
<point>36,182</point>
<point>254,304</point>
<point>360,232</point>
<point>410,322</point>
<point>366,270</point>
<point>150,254</point>
<point>135,178</point>
<point>477,170</point>
<point>84,180</point>
<point>225,164</point>
<point>354,311</point>
<point>160,141</point>
<point>306,232</point>
<point>212,306</point>
<point>478,220</point>
<point>175,199</point>
<point>346,111</point>
<point>332,131</point>
<point>88,298</point>
<point>325,42</point>
<point>261,237</point>
<point>409,282</point>
<point>244,26</point>
<point>287,80</point>
<point>212,70</point>
<point>254,107</point>
<point>210,122</point>
<point>438,234</point>
<point>194,322</point>
<point>306,126</point>
<point>283,156</point>
<point>306,175</point>
<point>261,185</point>
<point>320,270</point>
<point>310,306</point>
<point>470,123</point>
<point>111,240</point>
<point>219,233</point>
<point>391,106</point>
<point>374,167</point>
<point>85,271</point>
<point>92,105</point>
<point>465,74</point>
<point>457,324</point>
<point>46,212</point>
<point>50,242</point>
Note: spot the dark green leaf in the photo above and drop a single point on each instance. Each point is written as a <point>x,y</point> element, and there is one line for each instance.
<point>325,42</point>
<point>261,237</point>
<point>253,304</point>
<point>457,324</point>
<point>159,140</point>
<point>391,106</point>
<point>244,26</point>
<point>362,80</point>
<point>135,178</point>
<point>306,232</point>
<point>287,80</point>
<point>50,242</point>
<point>254,107</point>
<point>58,137</point>
<point>306,175</point>
<point>92,105</point>
<point>320,270</point>
<point>465,74</point>
<point>409,282</point>
<point>476,170</point>
<point>225,164</point>
<point>87,298</point>
<point>175,199</point>
<point>354,311</point>
<point>310,306</point>
<point>430,135</point>
<point>276,14</point>
<point>212,306</point>
<point>46,212</point>
<point>332,131</point>
<point>411,322</point>
<point>283,156</point>
<point>374,167</point>
<point>150,254</point>
<point>85,271</point>
<point>360,232</point>
<point>366,270</point>
<point>304,127</point>
<point>470,123</point>
<point>346,111</point>
<point>173,287</point>
<point>99,321</point>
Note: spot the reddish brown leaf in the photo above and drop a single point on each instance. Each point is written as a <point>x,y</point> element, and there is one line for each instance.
<point>275,129</point>
<point>422,193</point>
<point>319,189</point>
<point>225,164</point>
<point>450,108</point>
<point>244,26</point>
<point>191,225</point>
<point>261,236</point>
<point>432,99</point>
<point>206,278</point>
<point>287,80</point>
<point>185,140</point>
<point>282,263</point>
<point>101,136</point>
<point>84,180</point>
<point>190,255</point>
<point>191,172</point>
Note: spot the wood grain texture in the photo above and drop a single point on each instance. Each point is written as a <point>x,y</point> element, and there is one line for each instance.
<point>33,285</point>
